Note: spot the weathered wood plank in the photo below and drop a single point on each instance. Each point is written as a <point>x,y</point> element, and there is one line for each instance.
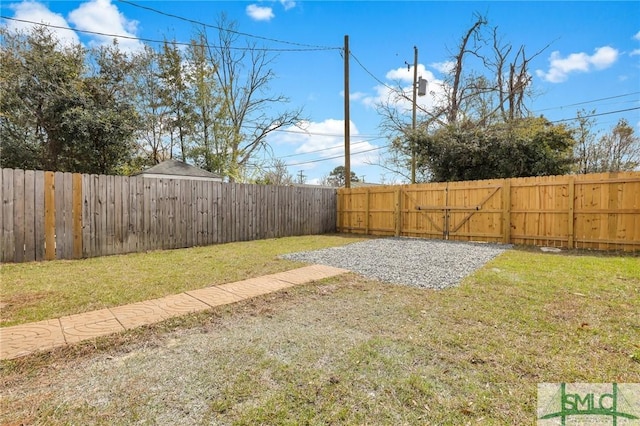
<point>141,208</point>
<point>116,214</point>
<point>8,236</point>
<point>18,215</point>
<point>76,209</point>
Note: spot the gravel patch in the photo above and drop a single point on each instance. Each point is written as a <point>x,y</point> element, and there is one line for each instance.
<point>418,262</point>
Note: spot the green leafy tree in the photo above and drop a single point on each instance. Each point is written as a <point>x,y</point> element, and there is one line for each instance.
<point>39,81</point>
<point>338,178</point>
<point>57,113</point>
<point>519,148</point>
<point>101,125</point>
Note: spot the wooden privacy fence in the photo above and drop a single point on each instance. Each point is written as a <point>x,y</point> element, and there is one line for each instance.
<point>596,211</point>
<point>48,215</point>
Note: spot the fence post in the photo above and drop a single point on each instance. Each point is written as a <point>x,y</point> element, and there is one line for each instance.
<point>398,212</point>
<point>339,196</point>
<point>571,218</point>
<point>367,210</point>
<point>506,211</point>
<point>49,216</point>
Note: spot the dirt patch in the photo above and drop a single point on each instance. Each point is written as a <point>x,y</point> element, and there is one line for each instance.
<point>12,304</point>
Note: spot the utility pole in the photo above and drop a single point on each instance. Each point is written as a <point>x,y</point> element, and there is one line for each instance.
<point>413,123</point>
<point>347,119</point>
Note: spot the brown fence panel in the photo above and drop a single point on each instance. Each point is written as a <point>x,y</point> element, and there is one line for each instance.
<point>596,211</point>
<point>540,211</point>
<point>47,215</point>
<point>607,211</point>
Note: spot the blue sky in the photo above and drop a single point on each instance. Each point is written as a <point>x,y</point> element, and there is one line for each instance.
<point>592,60</point>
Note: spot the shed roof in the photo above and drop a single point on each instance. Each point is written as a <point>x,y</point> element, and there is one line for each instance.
<point>176,168</point>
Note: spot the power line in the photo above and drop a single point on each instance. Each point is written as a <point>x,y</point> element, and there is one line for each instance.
<point>304,132</point>
<point>338,156</point>
<point>596,115</point>
<point>325,149</point>
<point>177,43</point>
<point>193,21</point>
<point>588,102</point>
<point>370,73</point>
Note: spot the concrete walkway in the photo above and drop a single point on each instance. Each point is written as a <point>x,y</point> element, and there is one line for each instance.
<point>21,340</point>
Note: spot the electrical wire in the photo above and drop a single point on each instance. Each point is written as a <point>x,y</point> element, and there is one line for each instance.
<point>193,21</point>
<point>148,40</point>
<point>371,74</point>
<point>595,115</point>
<point>327,149</point>
<point>304,132</point>
<point>338,156</point>
<point>587,102</point>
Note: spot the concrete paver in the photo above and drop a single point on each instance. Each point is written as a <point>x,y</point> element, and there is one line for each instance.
<point>138,314</point>
<point>79,327</point>
<point>21,340</point>
<point>180,304</point>
<point>215,296</point>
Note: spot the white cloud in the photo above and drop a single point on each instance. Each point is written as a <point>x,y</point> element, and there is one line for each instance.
<point>560,68</point>
<point>37,12</point>
<point>637,36</point>
<point>323,140</point>
<point>288,4</point>
<point>443,67</point>
<point>405,74</point>
<point>401,95</point>
<point>635,52</point>
<point>259,13</point>
<point>104,17</point>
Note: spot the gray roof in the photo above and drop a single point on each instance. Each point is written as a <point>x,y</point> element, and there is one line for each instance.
<point>178,168</point>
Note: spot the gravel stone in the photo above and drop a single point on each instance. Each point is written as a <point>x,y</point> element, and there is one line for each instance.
<point>435,264</point>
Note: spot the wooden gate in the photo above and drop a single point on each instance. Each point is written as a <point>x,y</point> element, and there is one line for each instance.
<point>467,211</point>
<point>454,211</point>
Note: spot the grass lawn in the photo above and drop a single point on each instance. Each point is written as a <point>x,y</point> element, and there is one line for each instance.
<point>44,290</point>
<point>353,351</point>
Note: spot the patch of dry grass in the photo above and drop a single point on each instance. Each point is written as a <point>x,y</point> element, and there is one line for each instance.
<point>352,351</point>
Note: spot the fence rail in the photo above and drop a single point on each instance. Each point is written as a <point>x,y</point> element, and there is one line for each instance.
<point>596,211</point>
<point>47,215</point>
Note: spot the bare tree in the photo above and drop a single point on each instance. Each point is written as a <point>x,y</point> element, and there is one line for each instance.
<point>248,111</point>
<point>585,148</point>
<point>470,44</point>
<point>487,84</point>
<point>618,150</point>
<point>275,173</point>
